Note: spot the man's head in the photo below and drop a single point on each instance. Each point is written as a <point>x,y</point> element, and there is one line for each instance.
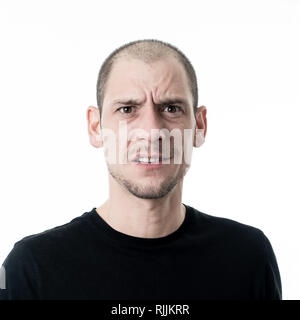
<point>150,85</point>
<point>148,51</point>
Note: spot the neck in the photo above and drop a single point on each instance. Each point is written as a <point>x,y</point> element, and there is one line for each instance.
<point>143,218</point>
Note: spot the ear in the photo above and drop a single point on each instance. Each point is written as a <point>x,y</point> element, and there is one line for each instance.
<point>201,126</point>
<point>94,130</point>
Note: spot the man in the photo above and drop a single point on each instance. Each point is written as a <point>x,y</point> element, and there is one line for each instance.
<point>143,242</point>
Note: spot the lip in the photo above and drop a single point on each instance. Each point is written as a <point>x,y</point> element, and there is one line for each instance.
<point>154,156</point>
<point>151,165</point>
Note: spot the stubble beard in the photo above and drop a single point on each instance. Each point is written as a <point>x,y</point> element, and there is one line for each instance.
<point>149,191</point>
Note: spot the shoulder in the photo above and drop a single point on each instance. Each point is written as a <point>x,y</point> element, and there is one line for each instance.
<point>51,240</point>
<point>36,257</point>
<point>243,248</point>
<point>231,233</point>
<point>65,231</point>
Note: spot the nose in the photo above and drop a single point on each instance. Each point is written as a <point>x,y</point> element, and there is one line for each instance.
<point>150,117</point>
<point>149,125</point>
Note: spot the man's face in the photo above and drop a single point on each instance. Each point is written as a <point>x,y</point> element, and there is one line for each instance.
<point>150,85</point>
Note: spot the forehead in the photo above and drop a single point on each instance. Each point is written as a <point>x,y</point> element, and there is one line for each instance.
<point>130,76</point>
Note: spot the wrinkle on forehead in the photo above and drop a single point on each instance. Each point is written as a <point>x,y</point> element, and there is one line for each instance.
<point>164,77</point>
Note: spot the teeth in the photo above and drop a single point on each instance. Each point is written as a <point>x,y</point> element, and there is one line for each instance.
<point>146,160</point>
<point>143,159</point>
<point>151,160</point>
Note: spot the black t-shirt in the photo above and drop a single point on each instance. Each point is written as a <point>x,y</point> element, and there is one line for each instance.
<point>206,258</point>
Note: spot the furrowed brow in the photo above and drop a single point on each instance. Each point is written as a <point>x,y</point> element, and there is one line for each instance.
<point>138,102</point>
<point>126,102</point>
<point>174,101</point>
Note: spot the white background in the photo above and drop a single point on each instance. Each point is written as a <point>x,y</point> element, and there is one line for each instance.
<point>246,56</point>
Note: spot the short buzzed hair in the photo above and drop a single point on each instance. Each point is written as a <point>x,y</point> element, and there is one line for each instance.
<point>147,50</point>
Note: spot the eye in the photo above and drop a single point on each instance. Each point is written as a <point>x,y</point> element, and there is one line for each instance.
<point>172,108</point>
<point>126,109</point>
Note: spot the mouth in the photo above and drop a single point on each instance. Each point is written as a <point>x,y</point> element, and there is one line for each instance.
<point>148,160</point>
<point>151,163</point>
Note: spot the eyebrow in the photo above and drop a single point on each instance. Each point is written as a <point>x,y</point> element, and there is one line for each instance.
<point>138,102</point>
